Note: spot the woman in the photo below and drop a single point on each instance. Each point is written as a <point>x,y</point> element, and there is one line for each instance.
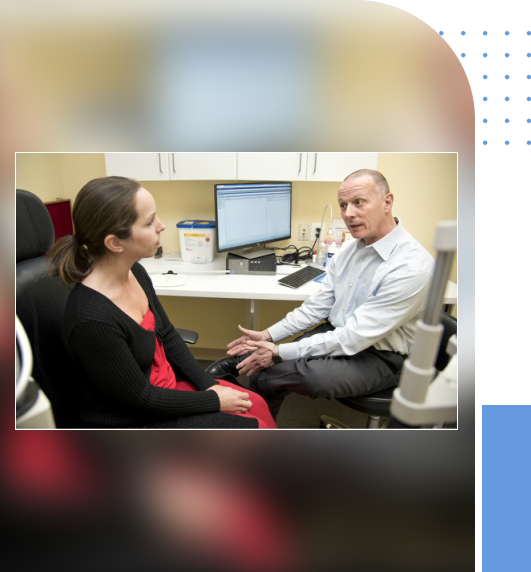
<point>138,371</point>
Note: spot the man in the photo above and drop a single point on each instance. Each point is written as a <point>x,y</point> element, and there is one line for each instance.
<point>374,292</point>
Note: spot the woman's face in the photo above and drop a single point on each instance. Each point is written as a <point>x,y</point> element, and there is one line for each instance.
<point>145,232</point>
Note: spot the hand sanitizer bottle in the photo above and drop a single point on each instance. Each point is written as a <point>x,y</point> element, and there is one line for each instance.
<point>322,254</point>
<point>332,249</point>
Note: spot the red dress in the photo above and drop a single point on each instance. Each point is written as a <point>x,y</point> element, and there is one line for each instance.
<point>162,375</point>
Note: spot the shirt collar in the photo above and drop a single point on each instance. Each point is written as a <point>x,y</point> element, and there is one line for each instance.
<point>385,246</point>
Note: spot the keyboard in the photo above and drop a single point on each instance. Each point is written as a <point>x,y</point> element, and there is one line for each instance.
<point>300,277</point>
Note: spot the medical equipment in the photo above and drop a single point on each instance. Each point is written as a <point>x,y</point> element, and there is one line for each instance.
<point>420,399</point>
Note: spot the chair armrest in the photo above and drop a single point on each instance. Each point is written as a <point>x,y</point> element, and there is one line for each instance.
<point>188,336</point>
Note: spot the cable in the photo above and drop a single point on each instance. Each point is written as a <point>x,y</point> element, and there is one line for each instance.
<point>303,253</point>
<point>330,231</point>
<point>315,242</point>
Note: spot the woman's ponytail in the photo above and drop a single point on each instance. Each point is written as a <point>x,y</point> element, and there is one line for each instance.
<point>69,260</point>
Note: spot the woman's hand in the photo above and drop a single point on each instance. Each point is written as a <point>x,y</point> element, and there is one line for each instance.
<point>239,346</point>
<point>231,400</point>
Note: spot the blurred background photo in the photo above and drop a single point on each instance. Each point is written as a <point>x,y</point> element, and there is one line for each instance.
<point>369,78</point>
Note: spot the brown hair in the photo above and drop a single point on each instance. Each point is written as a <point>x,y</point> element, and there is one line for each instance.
<point>103,206</point>
<point>380,182</point>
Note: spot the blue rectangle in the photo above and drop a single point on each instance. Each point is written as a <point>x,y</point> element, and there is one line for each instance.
<point>506,487</point>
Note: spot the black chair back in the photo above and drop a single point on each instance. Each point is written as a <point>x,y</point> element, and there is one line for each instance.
<point>40,304</point>
<point>450,328</point>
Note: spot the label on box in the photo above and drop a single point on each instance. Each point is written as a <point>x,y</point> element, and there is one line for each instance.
<point>194,240</point>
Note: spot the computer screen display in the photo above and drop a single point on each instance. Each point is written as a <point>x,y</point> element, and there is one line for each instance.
<point>252,213</point>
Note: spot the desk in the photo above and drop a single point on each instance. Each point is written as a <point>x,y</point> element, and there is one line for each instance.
<point>252,289</point>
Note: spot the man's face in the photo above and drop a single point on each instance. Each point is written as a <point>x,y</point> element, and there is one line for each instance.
<point>364,210</point>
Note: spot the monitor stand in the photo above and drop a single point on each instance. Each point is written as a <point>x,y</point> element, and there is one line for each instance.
<point>252,252</point>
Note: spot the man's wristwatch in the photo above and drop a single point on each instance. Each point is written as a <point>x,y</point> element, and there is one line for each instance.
<point>276,354</point>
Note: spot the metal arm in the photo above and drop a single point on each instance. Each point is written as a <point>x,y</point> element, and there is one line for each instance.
<point>419,399</point>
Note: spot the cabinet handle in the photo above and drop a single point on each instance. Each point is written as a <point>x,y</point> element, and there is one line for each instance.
<point>300,163</point>
<point>315,165</point>
<point>173,162</point>
<point>160,164</point>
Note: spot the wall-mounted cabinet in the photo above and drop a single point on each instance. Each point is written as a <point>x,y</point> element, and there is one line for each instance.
<point>140,166</point>
<point>172,166</point>
<point>272,166</point>
<point>331,167</point>
<point>336,166</point>
<point>202,166</point>
<point>326,167</point>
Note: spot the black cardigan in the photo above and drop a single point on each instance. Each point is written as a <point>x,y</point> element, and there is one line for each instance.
<point>115,355</point>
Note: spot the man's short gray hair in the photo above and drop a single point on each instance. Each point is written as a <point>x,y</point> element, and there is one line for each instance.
<point>380,182</point>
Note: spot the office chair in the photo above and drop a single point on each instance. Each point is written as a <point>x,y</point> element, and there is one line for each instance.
<point>40,304</point>
<point>376,405</point>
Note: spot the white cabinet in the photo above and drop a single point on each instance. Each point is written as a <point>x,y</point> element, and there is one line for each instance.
<point>202,166</point>
<point>172,166</point>
<point>272,166</point>
<point>140,166</point>
<point>336,166</point>
<point>333,167</point>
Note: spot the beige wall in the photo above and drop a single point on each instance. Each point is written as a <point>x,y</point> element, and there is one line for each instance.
<point>425,190</point>
<point>424,186</point>
<point>42,174</point>
<point>57,175</point>
<point>78,169</point>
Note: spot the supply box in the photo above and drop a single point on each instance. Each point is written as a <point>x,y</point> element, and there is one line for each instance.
<point>197,239</point>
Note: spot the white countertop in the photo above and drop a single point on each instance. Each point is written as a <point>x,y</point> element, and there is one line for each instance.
<point>258,287</point>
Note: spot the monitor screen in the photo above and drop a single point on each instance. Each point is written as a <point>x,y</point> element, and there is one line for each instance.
<point>252,213</point>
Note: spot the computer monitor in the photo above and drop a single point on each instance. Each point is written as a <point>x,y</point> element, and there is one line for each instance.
<point>251,214</point>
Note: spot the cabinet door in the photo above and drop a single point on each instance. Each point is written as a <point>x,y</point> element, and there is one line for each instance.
<point>202,166</point>
<point>140,166</point>
<point>336,166</point>
<point>272,166</point>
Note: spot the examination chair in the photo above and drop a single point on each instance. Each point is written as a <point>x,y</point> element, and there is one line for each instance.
<point>40,304</point>
<point>377,405</point>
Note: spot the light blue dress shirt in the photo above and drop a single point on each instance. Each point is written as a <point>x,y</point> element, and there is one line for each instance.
<point>372,295</point>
